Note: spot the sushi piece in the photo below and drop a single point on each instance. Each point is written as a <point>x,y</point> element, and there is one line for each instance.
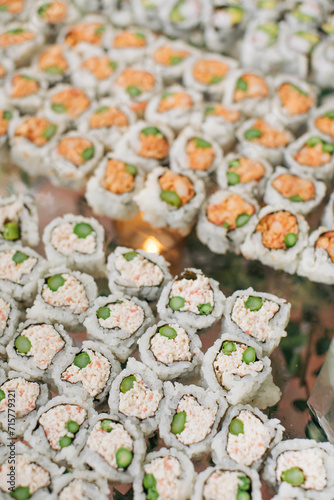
<point>147,144</point>
<point>302,466</point>
<point>107,121</point>
<point>31,140</point>
<point>322,121</point>
<point>114,447</point>
<point>73,159</point>
<point>322,63</point>
<point>119,321</point>
<point>174,107</point>
<point>129,45</point>
<point>168,473</point>
<point>195,152</point>
<point>244,174</point>
<point>77,242</point>
<point>328,215</point>
<point>65,104</point>
<point>227,481</point>
<point>225,219</point>
<point>237,370</point>
<point>60,429</point>
<point>171,351</point>
<point>34,474</point>
<point>20,399</point>
<point>266,138</point>
<point>50,17</point>
<point>147,13</point>
<point>311,155</point>
<point>169,58</point>
<point>80,484</point>
<point>119,11</point>
<point>19,41</point>
<point>10,315</point>
<point>138,394</point>
<point>111,190</point>
<point>296,48</point>
<point>259,317</point>
<point>25,91</point>
<point>55,63</point>
<point>206,73</point>
<point>169,199</point>
<point>89,31</point>
<point>247,92</point>
<point>298,193</point>
<point>37,347</point>
<point>19,220</point>
<point>14,11</point>
<point>246,437</point>
<point>63,296</point>
<point>20,268</point>
<point>306,14</point>
<point>183,19</point>
<point>137,273</point>
<point>87,372</point>
<point>190,418</point>
<point>192,300</point>
<point>276,238</point>
<point>317,260</point>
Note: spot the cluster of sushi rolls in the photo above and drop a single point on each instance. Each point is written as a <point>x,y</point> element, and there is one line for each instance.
<point>167,473</point>
<point>227,480</point>
<point>190,418</point>
<point>301,467</point>
<point>114,447</point>
<point>137,273</point>
<point>10,315</point>
<point>191,300</point>
<point>171,351</point>
<point>80,484</point>
<point>238,370</point>
<point>317,260</point>
<point>138,394</point>
<point>19,220</point>
<point>119,321</point>
<point>246,437</point>
<point>76,242</point>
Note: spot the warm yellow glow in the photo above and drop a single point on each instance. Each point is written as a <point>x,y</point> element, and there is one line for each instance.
<point>152,245</point>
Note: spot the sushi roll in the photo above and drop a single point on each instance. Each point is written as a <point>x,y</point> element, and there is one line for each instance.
<point>37,347</point>
<point>73,159</point>
<point>322,63</point>
<point>238,371</point>
<point>322,121</point>
<point>20,399</point>
<point>19,220</point>
<point>190,418</point>
<point>174,107</point>
<point>87,372</point>
<point>298,193</point>
<point>192,300</point>
<point>259,317</point>
<point>19,42</point>
<point>171,351</point>
<point>119,11</point>
<point>9,318</point>
<point>137,273</point>
<point>134,86</point>
<point>111,190</point>
<point>169,199</point>
<point>266,138</point>
<point>206,73</point>
<point>183,19</point>
<point>34,474</point>
<point>60,429</point>
<point>107,121</point>
<point>20,268</point>
<point>129,45</point>
<point>302,466</point>
<point>147,143</point>
<point>63,296</point>
<point>296,48</point>
<point>244,174</point>
<point>248,92</point>
<point>276,238</point>
<point>76,242</point>
<point>138,394</point>
<point>195,152</point>
<point>224,221</point>
<point>91,30</point>
<point>168,473</point>
<point>317,260</point>
<point>24,91</point>
<point>146,13</point>
<point>246,437</point>
<point>55,63</point>
<point>80,484</point>
<point>227,481</point>
<point>328,215</point>
<point>6,115</point>
<point>293,101</point>
<point>31,139</point>
<point>169,58</point>
<point>312,155</point>
<point>306,14</point>
<point>14,11</point>
<point>50,17</point>
<point>119,321</point>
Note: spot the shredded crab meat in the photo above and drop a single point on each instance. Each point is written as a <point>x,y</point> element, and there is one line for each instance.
<point>222,485</point>
<point>106,443</point>
<point>28,474</point>
<point>66,242</point>
<point>232,364</point>
<point>166,472</point>
<point>167,350</point>
<point>126,316</point>
<point>10,213</point>
<point>140,401</point>
<point>72,295</point>
<point>26,395</point>
<point>45,344</point>
<point>310,461</point>
<point>9,271</point>
<point>275,226</point>
<point>54,422</point>
<point>195,292</point>
<point>255,323</point>
<point>75,490</point>
<point>289,185</point>
<point>199,420</point>
<point>139,272</point>
<point>4,314</point>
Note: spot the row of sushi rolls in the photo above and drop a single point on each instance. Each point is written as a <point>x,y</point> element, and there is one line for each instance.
<point>93,98</point>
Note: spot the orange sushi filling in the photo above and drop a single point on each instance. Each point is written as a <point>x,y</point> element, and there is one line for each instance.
<point>34,129</point>
<point>175,100</point>
<point>250,86</point>
<point>209,72</point>
<point>179,184</point>
<point>275,227</point>
<point>74,101</point>
<point>268,136</point>
<point>227,211</point>
<point>101,67</point>
<point>52,60</point>
<point>326,241</point>
<point>108,117</point>
<point>15,37</point>
<point>12,6</point>
<point>153,146</point>
<point>73,148</point>
<point>230,115</point>
<point>127,39</point>
<point>53,12</point>
<point>23,86</point>
<point>167,56</point>
<point>294,99</point>
<point>116,178</point>
<point>200,154</point>
<point>134,78</point>
<point>325,124</point>
<point>291,186</point>
<point>89,33</point>
<point>248,170</point>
